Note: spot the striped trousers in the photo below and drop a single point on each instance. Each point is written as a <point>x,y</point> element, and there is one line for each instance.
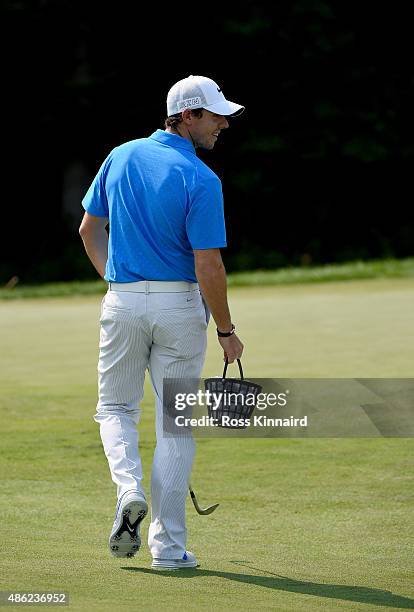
<point>166,334</point>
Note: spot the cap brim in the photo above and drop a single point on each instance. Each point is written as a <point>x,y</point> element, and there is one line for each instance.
<point>225,108</point>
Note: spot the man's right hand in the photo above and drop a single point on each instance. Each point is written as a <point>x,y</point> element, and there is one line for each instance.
<point>232,347</point>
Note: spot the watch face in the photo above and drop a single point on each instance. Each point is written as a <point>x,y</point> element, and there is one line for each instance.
<point>226,334</point>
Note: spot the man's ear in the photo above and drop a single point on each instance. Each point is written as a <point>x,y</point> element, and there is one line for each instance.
<point>187,115</point>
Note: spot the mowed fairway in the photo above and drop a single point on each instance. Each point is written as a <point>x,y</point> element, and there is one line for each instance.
<point>302,525</point>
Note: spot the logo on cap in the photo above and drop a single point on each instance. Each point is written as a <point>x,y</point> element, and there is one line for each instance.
<point>188,103</point>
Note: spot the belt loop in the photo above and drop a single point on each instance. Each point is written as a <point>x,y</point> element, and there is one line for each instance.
<point>147,287</point>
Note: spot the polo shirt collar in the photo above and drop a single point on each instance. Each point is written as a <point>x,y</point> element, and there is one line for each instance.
<point>173,140</point>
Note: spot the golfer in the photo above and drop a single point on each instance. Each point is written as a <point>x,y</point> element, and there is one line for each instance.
<point>165,275</point>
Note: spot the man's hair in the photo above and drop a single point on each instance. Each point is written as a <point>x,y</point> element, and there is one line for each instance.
<point>173,120</point>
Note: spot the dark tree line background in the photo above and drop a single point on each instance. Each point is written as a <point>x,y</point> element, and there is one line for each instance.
<point>318,169</point>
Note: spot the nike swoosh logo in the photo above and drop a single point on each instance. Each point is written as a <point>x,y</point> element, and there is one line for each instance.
<point>218,89</point>
<point>130,528</point>
<point>189,299</point>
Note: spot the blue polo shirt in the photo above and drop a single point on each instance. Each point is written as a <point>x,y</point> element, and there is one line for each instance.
<point>162,202</point>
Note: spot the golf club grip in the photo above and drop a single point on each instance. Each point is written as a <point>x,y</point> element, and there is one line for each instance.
<point>240,368</point>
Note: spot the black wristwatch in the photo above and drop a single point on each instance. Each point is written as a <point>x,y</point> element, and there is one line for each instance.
<point>226,334</point>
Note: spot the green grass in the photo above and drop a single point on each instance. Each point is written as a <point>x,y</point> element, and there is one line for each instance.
<point>302,525</point>
<point>355,270</point>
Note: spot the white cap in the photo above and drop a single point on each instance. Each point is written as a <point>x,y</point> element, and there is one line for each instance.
<point>200,92</point>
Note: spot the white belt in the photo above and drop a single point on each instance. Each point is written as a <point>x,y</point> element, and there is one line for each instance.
<point>154,286</point>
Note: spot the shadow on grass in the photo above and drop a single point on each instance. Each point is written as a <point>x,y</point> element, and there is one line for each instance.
<point>367,595</point>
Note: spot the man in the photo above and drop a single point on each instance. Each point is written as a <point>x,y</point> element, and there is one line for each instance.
<point>165,273</point>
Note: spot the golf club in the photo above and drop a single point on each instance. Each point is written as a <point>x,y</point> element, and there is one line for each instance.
<point>207,510</point>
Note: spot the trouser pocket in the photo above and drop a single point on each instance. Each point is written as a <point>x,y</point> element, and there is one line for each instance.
<point>206,310</point>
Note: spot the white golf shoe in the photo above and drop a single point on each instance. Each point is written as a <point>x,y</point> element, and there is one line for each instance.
<point>125,539</point>
<point>188,560</point>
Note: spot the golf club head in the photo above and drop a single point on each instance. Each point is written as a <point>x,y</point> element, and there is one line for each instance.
<point>200,510</point>
<point>208,510</point>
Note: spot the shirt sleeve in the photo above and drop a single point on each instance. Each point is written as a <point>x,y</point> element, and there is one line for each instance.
<point>95,201</point>
<point>205,223</point>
